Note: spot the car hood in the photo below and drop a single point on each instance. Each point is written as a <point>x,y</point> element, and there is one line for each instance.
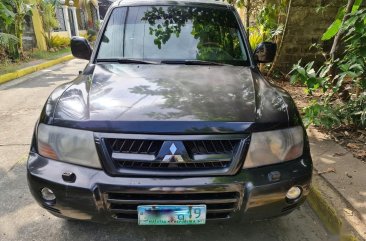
<point>124,92</point>
<point>170,99</point>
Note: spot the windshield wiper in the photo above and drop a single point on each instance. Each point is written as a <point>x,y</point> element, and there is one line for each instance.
<point>191,62</point>
<point>127,61</point>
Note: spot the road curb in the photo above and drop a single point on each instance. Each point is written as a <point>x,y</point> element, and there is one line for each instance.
<point>21,72</point>
<point>329,209</point>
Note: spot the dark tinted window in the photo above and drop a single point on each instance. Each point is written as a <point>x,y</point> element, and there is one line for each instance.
<point>173,33</point>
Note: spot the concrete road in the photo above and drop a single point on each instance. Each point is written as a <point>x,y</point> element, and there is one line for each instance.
<point>22,219</point>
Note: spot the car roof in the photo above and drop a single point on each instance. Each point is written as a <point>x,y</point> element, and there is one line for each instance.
<point>169,2</point>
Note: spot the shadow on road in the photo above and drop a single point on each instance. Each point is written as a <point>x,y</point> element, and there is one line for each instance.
<point>50,76</point>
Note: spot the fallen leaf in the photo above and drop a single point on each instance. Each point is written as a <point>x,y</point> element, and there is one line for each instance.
<point>353,146</point>
<point>349,212</point>
<point>329,169</point>
<point>339,154</point>
<point>361,154</point>
<point>348,175</point>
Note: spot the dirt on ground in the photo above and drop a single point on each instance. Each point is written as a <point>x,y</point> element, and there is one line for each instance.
<point>354,140</point>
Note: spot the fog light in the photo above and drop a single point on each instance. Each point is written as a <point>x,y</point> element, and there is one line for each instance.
<point>293,193</point>
<point>47,194</point>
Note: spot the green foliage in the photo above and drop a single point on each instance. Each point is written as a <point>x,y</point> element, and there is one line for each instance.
<point>49,20</point>
<point>8,41</point>
<point>91,35</point>
<point>306,75</point>
<point>354,112</point>
<point>267,19</point>
<point>6,16</point>
<point>59,42</point>
<point>321,115</point>
<point>270,19</point>
<point>8,44</point>
<point>334,28</point>
<point>255,37</point>
<point>12,14</point>
<point>330,110</point>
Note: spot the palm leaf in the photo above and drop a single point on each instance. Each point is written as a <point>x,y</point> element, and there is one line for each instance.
<point>8,40</point>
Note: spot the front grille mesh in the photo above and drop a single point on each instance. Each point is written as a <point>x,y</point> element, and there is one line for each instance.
<point>134,146</point>
<point>123,206</point>
<point>210,146</point>
<point>163,165</point>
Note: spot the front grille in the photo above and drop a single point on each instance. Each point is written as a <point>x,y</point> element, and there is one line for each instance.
<point>162,165</point>
<point>123,206</point>
<point>134,146</point>
<point>152,147</point>
<point>191,155</point>
<point>210,146</point>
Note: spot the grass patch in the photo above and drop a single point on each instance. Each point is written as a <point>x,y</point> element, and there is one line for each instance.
<point>49,55</point>
<point>8,67</point>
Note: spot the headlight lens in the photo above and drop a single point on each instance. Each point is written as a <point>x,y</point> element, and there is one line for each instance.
<point>277,146</point>
<point>68,145</point>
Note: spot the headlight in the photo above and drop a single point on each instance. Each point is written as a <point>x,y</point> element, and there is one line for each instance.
<point>277,146</point>
<point>68,145</point>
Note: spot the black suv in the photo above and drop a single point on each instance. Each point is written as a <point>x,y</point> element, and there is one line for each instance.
<point>170,122</point>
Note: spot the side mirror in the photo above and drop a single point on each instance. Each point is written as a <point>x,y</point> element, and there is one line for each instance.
<point>265,52</point>
<point>80,48</point>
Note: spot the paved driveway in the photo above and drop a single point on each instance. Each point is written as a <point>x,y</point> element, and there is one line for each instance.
<point>22,219</point>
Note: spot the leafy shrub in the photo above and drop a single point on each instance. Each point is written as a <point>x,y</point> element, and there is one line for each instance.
<point>8,44</point>
<point>7,41</point>
<point>49,20</point>
<point>92,35</point>
<point>306,75</point>
<point>343,99</point>
<point>255,37</point>
<point>59,42</point>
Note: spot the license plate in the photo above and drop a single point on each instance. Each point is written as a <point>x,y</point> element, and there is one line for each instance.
<point>171,214</point>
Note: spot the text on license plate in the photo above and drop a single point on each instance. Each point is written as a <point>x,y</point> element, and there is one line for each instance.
<point>171,214</point>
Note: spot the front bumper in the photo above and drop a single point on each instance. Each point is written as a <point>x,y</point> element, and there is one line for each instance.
<point>98,197</point>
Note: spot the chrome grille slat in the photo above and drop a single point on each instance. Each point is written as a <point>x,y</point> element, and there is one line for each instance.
<point>160,165</point>
<point>148,149</point>
<point>132,211</point>
<point>118,201</point>
<point>123,206</point>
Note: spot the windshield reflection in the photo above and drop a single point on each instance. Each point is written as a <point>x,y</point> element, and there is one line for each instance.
<point>173,33</point>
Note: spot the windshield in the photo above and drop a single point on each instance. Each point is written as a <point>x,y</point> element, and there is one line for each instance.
<point>173,33</point>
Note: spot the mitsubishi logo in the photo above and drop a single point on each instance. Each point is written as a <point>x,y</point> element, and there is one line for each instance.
<point>174,154</point>
<point>173,149</point>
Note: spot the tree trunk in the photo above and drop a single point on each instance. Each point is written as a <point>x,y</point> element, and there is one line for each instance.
<point>19,34</point>
<point>248,8</point>
<point>343,93</point>
<point>338,36</point>
<point>281,40</point>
